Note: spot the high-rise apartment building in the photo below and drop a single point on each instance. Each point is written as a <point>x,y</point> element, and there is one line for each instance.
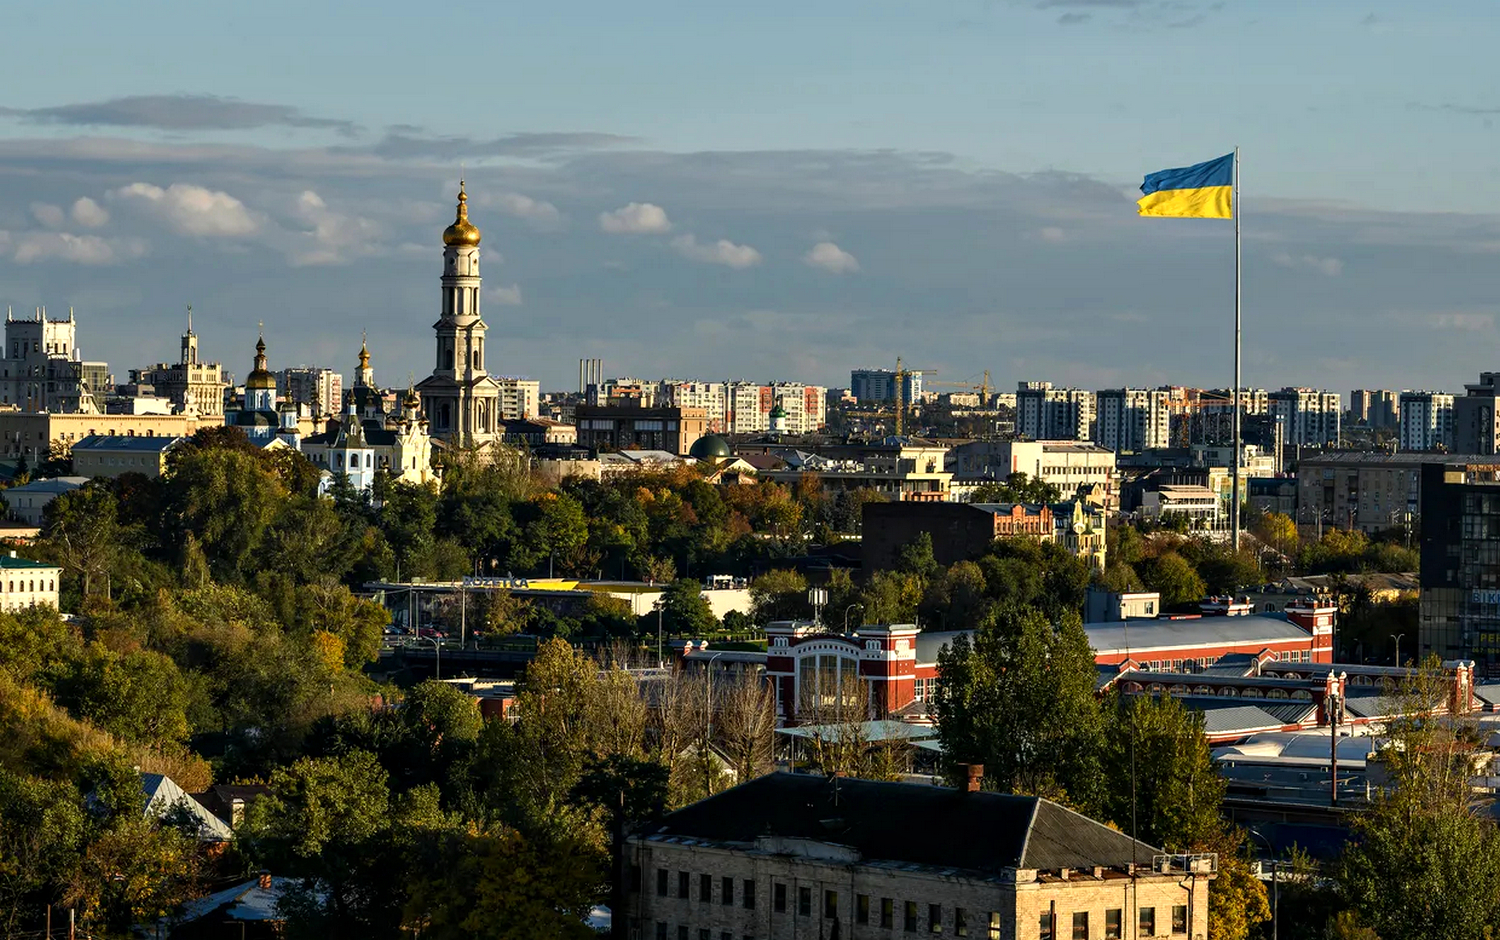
<point>1307,416</point>
<point>1460,542</point>
<point>745,407</point>
<point>1373,408</point>
<point>322,390</point>
<point>519,398</point>
<point>1476,426</point>
<point>1133,419</point>
<point>876,385</point>
<point>1426,421</point>
<point>1056,414</point>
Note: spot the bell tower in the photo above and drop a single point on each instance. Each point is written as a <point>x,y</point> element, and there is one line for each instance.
<point>460,399</point>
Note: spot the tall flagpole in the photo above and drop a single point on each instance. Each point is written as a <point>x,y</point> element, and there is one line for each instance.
<point>1234,506</point>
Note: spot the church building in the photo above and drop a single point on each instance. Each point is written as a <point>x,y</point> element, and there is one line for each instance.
<point>364,439</point>
<point>259,415</point>
<point>460,399</point>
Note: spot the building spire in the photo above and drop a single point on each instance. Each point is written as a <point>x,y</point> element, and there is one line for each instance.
<point>190,319</point>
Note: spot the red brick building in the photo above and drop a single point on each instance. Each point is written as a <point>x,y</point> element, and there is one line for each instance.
<point>897,663</point>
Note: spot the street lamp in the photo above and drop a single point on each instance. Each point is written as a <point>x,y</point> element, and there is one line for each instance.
<point>437,655</point>
<point>846,614</point>
<point>659,606</point>
<point>1398,648</point>
<point>1275,884</point>
<point>708,722</point>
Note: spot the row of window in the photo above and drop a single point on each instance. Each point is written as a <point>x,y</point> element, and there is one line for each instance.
<point>1113,921</point>
<point>12,587</point>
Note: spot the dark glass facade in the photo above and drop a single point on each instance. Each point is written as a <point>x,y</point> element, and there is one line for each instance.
<point>1460,608</point>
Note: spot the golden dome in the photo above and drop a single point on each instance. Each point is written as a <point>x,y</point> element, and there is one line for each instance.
<point>260,376</point>
<point>462,232</point>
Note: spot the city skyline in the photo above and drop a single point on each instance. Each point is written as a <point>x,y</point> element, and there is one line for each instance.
<point>987,222</point>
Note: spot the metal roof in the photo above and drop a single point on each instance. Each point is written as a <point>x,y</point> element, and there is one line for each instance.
<point>126,442</point>
<point>1144,636</point>
<point>1239,719</point>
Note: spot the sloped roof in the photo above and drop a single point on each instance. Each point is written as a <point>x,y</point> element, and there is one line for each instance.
<point>163,795</point>
<point>126,442</point>
<point>983,833</point>
<point>57,485</point>
<point>1142,636</point>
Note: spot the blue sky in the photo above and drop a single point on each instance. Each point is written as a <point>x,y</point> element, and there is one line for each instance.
<point>838,182</point>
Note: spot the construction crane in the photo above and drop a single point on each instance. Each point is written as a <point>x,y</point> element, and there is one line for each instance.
<point>901,403</point>
<point>983,387</point>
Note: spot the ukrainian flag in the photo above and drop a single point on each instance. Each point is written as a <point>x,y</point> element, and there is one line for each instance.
<point>1202,191</point>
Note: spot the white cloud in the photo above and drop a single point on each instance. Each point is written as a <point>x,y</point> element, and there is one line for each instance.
<point>723,252</point>
<point>1331,267</point>
<point>504,296</point>
<point>30,247</point>
<point>48,214</point>
<point>90,214</point>
<point>1053,235</point>
<point>536,211</point>
<point>1465,321</point>
<point>330,237</point>
<point>831,258</point>
<point>193,210</point>
<point>636,218</point>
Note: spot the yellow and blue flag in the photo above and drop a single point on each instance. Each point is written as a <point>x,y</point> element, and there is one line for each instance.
<point>1202,191</point>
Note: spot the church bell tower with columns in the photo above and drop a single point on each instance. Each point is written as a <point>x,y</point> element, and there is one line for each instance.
<point>460,399</point>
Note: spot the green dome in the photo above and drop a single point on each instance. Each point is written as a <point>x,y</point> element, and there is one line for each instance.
<point>777,411</point>
<point>710,447</point>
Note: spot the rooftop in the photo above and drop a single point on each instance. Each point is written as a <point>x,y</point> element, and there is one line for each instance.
<point>12,562</point>
<point>149,445</point>
<point>1000,831</point>
<point>52,485</point>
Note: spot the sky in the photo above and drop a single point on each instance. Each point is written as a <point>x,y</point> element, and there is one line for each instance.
<point>778,191</point>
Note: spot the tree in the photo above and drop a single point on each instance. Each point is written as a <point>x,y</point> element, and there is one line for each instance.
<point>684,611</point>
<point>745,719</point>
<point>1278,531</point>
<point>83,529</point>
<point>1161,775</point>
<point>1019,698</point>
<point>1174,578</point>
<point>1426,825</point>
<point>779,594</point>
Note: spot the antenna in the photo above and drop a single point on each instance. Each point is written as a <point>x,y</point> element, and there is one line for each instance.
<point>190,318</point>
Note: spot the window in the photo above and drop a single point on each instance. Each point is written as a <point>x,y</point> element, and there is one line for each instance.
<point>1179,918</point>
<point>804,902</point>
<point>635,882</point>
<point>887,913</point>
<point>1112,924</point>
<point>1081,925</point>
<point>960,922</point>
<point>861,908</point>
<point>831,904</point>
<point>747,894</point>
<point>935,918</point>
<point>705,888</point>
<point>778,898</point>
<point>909,917</point>
<point>994,925</point>
<point>661,930</point>
<point>1147,922</point>
<point>726,891</point>
<point>682,884</point>
<point>682,933</point>
<point>704,934</point>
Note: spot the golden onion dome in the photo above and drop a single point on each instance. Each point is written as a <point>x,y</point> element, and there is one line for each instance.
<point>462,232</point>
<point>260,376</point>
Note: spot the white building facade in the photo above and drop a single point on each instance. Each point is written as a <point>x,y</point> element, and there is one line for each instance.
<point>1426,421</point>
<point>1133,419</point>
<point>1044,413</point>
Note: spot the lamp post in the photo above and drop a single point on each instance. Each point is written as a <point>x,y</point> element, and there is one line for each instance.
<point>708,723</point>
<point>1275,884</point>
<point>659,606</point>
<point>437,655</point>
<point>846,614</point>
<point>1398,648</point>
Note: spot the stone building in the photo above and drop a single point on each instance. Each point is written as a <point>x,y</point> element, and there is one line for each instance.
<point>790,856</point>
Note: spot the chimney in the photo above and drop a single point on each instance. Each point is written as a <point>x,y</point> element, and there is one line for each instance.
<point>264,881</point>
<point>973,777</point>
